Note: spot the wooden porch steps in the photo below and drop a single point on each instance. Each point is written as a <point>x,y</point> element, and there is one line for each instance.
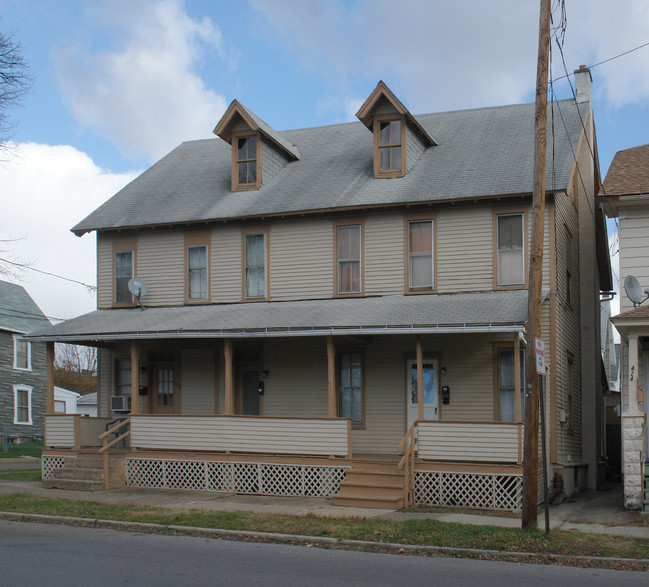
<point>84,473</point>
<point>372,484</point>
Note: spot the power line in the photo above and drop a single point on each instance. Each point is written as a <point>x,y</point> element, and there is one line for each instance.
<point>23,266</point>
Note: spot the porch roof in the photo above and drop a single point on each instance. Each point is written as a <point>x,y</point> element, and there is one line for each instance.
<point>500,311</point>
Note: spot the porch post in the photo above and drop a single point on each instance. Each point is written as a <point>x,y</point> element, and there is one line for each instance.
<point>420,380</point>
<point>49,359</point>
<point>517,377</point>
<point>135,378</point>
<point>633,375</point>
<point>229,387</point>
<point>331,377</point>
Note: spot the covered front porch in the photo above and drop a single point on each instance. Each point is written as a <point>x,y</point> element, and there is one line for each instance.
<point>296,410</point>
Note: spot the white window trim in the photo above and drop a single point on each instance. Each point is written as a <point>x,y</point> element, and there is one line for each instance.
<point>28,389</point>
<point>19,338</point>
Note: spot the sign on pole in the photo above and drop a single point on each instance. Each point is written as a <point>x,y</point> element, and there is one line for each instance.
<point>539,346</point>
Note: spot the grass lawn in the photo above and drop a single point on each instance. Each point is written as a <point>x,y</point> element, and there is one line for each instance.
<point>417,532</point>
<point>26,449</point>
<point>21,474</point>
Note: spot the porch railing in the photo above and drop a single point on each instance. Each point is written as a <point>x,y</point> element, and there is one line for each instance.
<point>73,431</point>
<point>252,434</point>
<point>407,463</point>
<point>121,430</point>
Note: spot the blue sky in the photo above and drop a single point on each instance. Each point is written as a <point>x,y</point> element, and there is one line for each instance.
<point>119,83</point>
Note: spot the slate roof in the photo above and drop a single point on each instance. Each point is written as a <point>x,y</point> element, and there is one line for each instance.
<point>18,312</point>
<point>628,173</point>
<point>481,153</point>
<point>503,311</point>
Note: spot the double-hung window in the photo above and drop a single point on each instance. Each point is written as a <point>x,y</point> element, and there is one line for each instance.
<point>506,378</point>
<point>197,273</point>
<point>349,259</point>
<point>22,354</point>
<point>390,147</point>
<point>255,245</point>
<point>22,404</point>
<point>350,387</point>
<point>123,273</point>
<point>420,255</point>
<point>510,249</point>
<point>245,164</point>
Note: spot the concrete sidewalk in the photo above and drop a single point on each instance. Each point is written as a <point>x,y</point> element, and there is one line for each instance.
<point>592,511</point>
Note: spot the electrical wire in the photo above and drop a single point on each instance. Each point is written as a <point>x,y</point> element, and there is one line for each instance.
<point>23,266</point>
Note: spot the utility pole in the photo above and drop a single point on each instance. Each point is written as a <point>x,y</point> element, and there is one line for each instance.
<point>531,445</point>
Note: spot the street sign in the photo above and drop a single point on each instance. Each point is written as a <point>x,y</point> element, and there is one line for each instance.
<point>539,347</point>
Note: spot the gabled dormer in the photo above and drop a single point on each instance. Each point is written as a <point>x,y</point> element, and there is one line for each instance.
<point>258,151</point>
<point>399,139</point>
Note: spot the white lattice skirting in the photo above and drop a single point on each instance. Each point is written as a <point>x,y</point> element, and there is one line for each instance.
<point>232,477</point>
<point>49,463</point>
<point>470,490</point>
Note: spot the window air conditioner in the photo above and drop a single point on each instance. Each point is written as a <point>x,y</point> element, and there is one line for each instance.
<point>120,403</point>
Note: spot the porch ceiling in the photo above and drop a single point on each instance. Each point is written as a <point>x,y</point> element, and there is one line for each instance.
<point>500,311</point>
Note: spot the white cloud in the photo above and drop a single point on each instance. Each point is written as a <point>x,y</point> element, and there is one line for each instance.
<point>146,95</point>
<point>47,190</point>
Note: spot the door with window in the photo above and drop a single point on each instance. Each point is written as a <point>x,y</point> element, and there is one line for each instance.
<point>165,395</point>
<point>431,390</point>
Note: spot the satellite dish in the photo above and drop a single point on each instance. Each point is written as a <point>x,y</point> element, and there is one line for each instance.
<point>137,286</point>
<point>634,291</point>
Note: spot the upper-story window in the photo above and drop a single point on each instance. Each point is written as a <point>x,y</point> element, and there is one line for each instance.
<point>421,263</point>
<point>22,354</point>
<point>389,147</point>
<point>245,172</point>
<point>255,262</point>
<point>123,273</point>
<point>510,249</point>
<point>349,259</point>
<point>197,273</point>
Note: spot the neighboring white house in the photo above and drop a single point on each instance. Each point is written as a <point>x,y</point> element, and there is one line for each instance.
<point>65,401</point>
<point>87,405</point>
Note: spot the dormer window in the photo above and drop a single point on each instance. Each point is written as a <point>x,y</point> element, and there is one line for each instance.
<point>245,166</point>
<point>391,140</point>
<point>399,139</point>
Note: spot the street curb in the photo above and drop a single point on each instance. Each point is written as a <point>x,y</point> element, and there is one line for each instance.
<point>327,542</point>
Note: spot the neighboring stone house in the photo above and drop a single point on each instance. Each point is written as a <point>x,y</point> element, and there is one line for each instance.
<point>320,301</point>
<point>23,372</point>
<point>625,195</point>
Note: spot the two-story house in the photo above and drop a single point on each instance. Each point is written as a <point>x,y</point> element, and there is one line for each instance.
<point>625,195</point>
<point>23,375</point>
<point>341,310</point>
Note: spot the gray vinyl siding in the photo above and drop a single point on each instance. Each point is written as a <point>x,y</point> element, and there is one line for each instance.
<point>568,335</point>
<point>198,380</point>
<point>301,260</point>
<point>161,263</point>
<point>414,146</point>
<point>465,249</point>
<point>297,380</point>
<point>36,378</point>
<point>634,246</point>
<point>384,254</point>
<point>104,271</point>
<point>226,264</point>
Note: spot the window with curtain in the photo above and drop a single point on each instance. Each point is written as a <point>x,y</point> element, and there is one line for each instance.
<point>507,384</point>
<point>511,261</point>
<point>348,255</point>
<point>123,272</point>
<point>350,387</point>
<point>420,254</point>
<point>255,270</point>
<point>123,377</point>
<point>197,273</point>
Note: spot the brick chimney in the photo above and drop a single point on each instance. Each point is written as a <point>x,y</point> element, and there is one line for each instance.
<point>583,84</point>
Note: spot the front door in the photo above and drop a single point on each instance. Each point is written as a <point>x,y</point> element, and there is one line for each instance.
<point>164,395</point>
<point>431,390</point>
<point>248,377</point>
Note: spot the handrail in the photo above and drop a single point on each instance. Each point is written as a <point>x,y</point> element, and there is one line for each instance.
<point>106,445</point>
<point>407,463</point>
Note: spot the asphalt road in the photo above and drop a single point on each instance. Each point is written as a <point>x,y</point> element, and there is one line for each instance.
<point>44,554</point>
